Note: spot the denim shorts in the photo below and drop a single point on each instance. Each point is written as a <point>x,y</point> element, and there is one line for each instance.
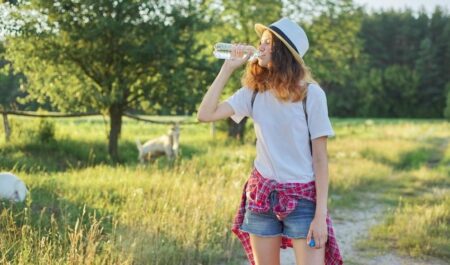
<point>295,225</point>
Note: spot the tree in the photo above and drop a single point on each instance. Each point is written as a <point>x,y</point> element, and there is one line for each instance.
<point>417,49</point>
<point>9,83</point>
<point>401,90</point>
<point>435,74</point>
<point>335,52</point>
<point>108,56</point>
<point>447,106</point>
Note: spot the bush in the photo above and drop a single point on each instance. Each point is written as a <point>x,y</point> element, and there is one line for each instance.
<point>46,131</point>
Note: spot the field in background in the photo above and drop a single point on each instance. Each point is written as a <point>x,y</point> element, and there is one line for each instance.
<point>83,210</point>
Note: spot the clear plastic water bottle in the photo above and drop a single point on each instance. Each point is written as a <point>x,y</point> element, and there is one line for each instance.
<point>223,51</point>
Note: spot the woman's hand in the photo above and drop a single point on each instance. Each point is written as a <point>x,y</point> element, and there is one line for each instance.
<point>237,57</point>
<point>318,230</point>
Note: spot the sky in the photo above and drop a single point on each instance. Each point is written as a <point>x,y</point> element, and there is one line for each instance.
<point>401,4</point>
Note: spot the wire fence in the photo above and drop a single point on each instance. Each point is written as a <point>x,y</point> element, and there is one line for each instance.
<point>34,114</point>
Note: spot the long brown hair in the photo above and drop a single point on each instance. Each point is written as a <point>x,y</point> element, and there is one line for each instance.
<point>284,75</point>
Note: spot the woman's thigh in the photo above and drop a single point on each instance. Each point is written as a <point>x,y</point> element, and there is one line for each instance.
<point>305,255</point>
<point>266,250</point>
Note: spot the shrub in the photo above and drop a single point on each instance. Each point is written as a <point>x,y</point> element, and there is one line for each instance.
<point>46,131</point>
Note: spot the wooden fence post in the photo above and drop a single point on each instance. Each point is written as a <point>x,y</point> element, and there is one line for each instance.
<point>6,126</point>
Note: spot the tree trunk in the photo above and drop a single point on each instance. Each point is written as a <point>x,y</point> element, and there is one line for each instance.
<point>237,130</point>
<point>6,126</point>
<point>115,115</point>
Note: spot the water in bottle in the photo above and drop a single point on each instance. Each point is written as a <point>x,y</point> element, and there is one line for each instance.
<point>223,51</point>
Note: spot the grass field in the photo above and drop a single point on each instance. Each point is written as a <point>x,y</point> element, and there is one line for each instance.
<point>84,210</point>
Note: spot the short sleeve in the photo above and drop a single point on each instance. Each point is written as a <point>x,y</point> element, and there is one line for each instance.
<point>316,106</point>
<point>240,102</point>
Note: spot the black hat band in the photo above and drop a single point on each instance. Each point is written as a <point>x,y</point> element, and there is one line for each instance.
<point>281,33</point>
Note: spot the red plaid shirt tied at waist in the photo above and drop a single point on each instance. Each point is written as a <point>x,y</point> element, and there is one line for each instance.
<point>257,190</point>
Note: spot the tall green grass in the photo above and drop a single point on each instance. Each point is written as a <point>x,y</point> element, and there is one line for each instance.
<point>420,223</point>
<point>83,209</point>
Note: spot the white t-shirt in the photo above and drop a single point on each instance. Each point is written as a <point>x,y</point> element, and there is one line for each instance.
<point>282,146</point>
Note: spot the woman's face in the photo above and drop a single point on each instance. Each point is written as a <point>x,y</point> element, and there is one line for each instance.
<point>265,49</point>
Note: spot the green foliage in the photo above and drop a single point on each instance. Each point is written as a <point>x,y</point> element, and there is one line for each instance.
<point>46,131</point>
<point>447,108</point>
<point>333,53</point>
<point>111,56</point>
<point>401,90</point>
<point>9,82</point>
<point>110,53</point>
<point>385,92</point>
<point>411,51</point>
<point>335,56</point>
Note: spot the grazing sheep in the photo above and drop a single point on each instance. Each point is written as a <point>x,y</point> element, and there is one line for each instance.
<point>12,188</point>
<point>167,145</point>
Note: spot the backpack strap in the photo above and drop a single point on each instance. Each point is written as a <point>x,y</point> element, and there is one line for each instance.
<point>255,92</point>
<point>307,125</point>
<point>253,97</point>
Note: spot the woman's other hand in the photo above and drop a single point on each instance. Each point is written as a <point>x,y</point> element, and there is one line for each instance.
<point>319,231</point>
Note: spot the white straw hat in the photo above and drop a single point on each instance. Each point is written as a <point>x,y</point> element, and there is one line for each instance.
<point>291,34</point>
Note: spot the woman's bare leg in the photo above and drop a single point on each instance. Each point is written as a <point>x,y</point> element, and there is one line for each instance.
<point>305,255</point>
<point>266,250</point>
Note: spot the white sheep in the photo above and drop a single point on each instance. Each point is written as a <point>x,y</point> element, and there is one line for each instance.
<point>12,188</point>
<point>167,144</point>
